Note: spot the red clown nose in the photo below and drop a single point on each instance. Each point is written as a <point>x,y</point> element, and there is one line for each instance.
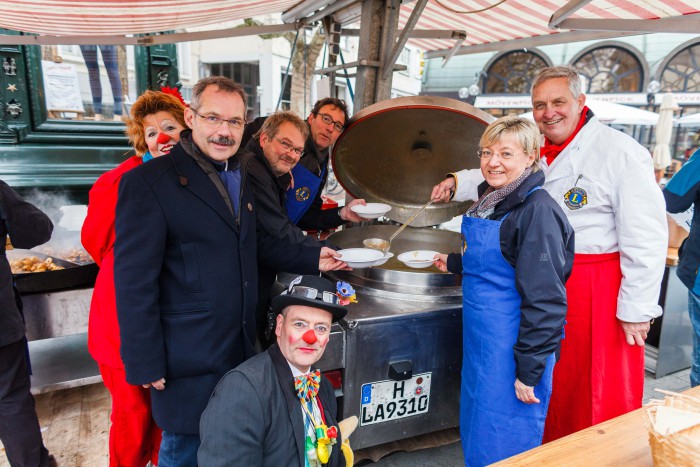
<point>163,138</point>
<point>309,337</point>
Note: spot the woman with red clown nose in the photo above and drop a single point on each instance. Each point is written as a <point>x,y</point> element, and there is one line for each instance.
<point>154,128</point>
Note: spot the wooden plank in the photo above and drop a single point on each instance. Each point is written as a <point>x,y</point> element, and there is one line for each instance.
<point>621,441</point>
<point>62,433</point>
<point>94,427</point>
<point>75,426</point>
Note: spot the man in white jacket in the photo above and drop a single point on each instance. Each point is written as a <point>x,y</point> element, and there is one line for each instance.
<point>604,182</point>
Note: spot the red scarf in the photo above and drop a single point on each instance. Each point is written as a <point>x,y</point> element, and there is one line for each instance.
<point>550,150</point>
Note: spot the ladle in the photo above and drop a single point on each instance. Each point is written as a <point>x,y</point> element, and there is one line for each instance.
<point>384,245</point>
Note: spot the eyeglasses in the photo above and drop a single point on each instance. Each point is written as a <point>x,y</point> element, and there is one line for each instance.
<point>488,154</point>
<point>313,294</point>
<point>328,120</point>
<point>288,147</point>
<point>214,121</point>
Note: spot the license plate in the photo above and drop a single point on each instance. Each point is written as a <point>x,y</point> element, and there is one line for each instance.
<point>390,400</point>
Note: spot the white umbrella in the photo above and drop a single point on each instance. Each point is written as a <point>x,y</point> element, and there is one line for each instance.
<point>618,114</point>
<point>664,129</point>
<point>691,120</point>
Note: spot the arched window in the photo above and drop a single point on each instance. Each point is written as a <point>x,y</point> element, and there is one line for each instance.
<point>513,72</point>
<point>610,69</point>
<point>682,72</point>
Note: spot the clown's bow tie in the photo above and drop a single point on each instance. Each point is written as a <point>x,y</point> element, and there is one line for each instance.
<point>307,385</point>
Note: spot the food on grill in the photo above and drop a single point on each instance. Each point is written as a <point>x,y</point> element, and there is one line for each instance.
<point>74,255</point>
<point>33,264</point>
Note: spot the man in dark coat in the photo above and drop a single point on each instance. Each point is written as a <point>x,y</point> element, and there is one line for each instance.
<point>303,198</point>
<point>276,149</point>
<point>264,412</point>
<point>27,227</point>
<point>185,266</point>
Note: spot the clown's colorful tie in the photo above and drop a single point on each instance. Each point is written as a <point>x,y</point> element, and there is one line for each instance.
<point>307,385</point>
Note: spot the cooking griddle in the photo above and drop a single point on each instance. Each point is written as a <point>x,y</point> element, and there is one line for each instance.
<point>73,276</point>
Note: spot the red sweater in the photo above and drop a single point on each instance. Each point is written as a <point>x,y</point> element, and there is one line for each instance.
<point>97,237</point>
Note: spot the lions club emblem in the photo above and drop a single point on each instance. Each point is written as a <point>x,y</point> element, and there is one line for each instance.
<point>302,194</point>
<point>576,198</point>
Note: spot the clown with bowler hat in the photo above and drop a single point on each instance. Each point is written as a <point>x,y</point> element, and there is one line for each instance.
<point>274,409</point>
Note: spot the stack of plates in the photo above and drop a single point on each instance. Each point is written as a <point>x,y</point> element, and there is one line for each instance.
<point>358,258</point>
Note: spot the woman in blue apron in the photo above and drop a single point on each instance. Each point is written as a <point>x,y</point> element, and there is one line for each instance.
<point>517,253</point>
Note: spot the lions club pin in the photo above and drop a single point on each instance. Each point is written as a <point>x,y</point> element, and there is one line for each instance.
<point>302,194</point>
<point>576,198</point>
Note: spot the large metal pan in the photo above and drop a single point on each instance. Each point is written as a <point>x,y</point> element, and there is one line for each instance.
<point>395,151</point>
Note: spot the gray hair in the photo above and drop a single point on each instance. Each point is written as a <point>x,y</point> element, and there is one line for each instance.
<point>274,121</point>
<point>224,84</point>
<point>567,72</point>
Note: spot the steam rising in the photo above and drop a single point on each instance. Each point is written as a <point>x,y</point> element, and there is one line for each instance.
<point>66,215</point>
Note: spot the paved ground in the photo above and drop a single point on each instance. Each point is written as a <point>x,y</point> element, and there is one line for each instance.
<point>451,455</point>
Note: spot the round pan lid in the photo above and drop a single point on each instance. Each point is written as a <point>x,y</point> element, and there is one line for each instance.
<point>396,151</point>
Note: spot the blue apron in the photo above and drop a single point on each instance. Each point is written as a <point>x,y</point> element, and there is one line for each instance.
<point>494,424</point>
<point>299,198</point>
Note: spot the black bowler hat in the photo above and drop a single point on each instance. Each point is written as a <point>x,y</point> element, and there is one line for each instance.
<point>313,291</point>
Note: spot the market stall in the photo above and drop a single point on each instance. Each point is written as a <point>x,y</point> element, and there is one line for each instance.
<point>55,281</point>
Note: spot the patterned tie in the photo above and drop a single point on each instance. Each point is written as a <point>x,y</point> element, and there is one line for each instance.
<point>307,385</point>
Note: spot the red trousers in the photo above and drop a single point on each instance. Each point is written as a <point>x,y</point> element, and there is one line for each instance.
<point>134,437</point>
<point>598,376</point>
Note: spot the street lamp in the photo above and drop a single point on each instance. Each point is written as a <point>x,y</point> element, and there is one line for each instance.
<point>652,88</point>
<point>469,93</point>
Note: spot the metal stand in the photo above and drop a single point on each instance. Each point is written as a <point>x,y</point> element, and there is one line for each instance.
<point>670,340</point>
<point>61,363</point>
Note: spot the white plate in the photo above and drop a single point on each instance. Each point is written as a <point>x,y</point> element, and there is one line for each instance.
<point>417,259</point>
<point>371,210</point>
<point>383,260</point>
<point>358,258</point>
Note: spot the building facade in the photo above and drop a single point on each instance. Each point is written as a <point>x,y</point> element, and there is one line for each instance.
<point>632,70</point>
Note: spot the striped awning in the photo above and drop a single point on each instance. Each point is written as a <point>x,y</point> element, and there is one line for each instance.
<point>489,24</point>
<point>495,23</point>
<point>122,17</point>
